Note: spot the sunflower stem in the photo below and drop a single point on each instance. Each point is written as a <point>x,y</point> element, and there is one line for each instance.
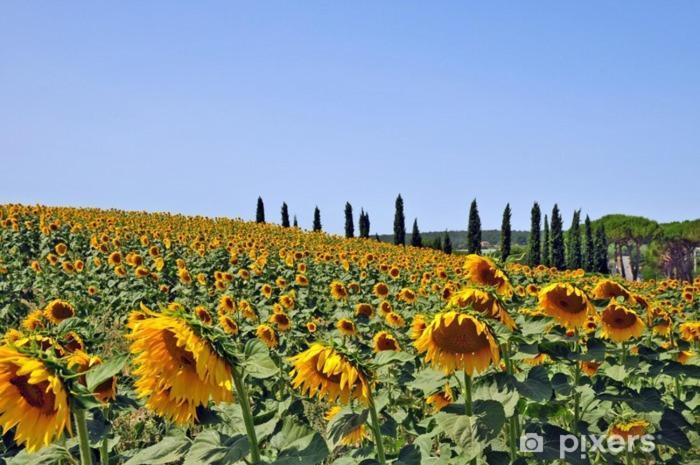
<point>104,446</point>
<point>244,400</point>
<point>375,429</point>
<point>467,394</point>
<point>81,424</point>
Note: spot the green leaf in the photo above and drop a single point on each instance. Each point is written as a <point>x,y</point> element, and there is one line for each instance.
<point>213,448</point>
<point>428,380</point>
<point>537,385</point>
<point>258,363</point>
<point>616,372</point>
<point>460,429</point>
<point>104,371</point>
<point>310,450</point>
<point>290,432</point>
<point>170,449</point>
<point>386,357</point>
<point>50,455</point>
<point>409,455</point>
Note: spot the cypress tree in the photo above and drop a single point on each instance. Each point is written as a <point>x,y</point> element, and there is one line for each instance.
<point>260,211</point>
<point>296,223</point>
<point>416,239</point>
<point>534,254</point>
<point>317,219</point>
<point>573,247</point>
<point>447,244</point>
<point>557,239</point>
<point>285,215</point>
<point>505,234</point>
<point>601,250</point>
<point>349,225</point>
<point>399,223</point>
<point>367,223</point>
<point>589,257</point>
<point>473,230</point>
<point>546,246</point>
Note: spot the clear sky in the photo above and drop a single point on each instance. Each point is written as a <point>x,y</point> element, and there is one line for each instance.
<point>199,107</point>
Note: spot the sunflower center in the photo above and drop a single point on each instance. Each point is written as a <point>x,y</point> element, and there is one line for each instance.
<point>184,356</point>
<point>619,319</point>
<point>570,303</point>
<point>61,312</point>
<point>459,338</point>
<point>37,395</point>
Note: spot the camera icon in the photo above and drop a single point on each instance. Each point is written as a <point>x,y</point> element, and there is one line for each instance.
<point>531,442</point>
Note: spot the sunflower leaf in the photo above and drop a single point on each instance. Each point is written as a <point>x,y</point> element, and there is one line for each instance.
<point>102,372</point>
<point>258,363</point>
<point>170,449</point>
<point>213,448</point>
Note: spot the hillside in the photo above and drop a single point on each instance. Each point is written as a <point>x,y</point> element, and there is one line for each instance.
<point>459,238</point>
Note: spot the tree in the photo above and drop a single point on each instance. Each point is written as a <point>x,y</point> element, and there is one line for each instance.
<point>416,239</point>
<point>601,250</point>
<point>296,223</point>
<point>447,244</point>
<point>505,234</point>
<point>573,250</point>
<point>285,215</point>
<point>260,211</point>
<point>317,219</point>
<point>534,253</point>
<point>546,245</point>
<point>557,239</point>
<point>364,224</point>
<point>399,223</point>
<point>349,225</point>
<point>473,230</point>
<point>589,249</point>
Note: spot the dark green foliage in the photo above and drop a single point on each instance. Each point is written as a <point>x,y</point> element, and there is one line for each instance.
<point>399,223</point>
<point>349,224</point>
<point>436,243</point>
<point>546,245</point>
<point>473,230</point>
<point>260,211</point>
<point>447,244</point>
<point>317,219</point>
<point>534,252</point>
<point>364,223</point>
<point>589,246</point>
<point>505,234</point>
<point>557,239</point>
<point>574,258</point>
<point>285,215</point>
<point>296,223</point>
<point>601,250</point>
<point>416,239</point>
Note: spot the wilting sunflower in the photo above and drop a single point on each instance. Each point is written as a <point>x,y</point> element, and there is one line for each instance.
<point>483,271</point>
<point>266,334</point>
<point>627,429</point>
<point>566,303</point>
<point>609,289</point>
<point>440,399</point>
<point>58,310</point>
<point>483,302</point>
<point>385,341</point>
<point>323,372</point>
<point>33,400</point>
<point>346,327</point>
<point>175,369</point>
<point>228,325</point>
<point>620,323</point>
<point>457,341</point>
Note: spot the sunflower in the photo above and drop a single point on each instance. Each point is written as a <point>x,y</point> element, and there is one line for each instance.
<point>381,290</point>
<point>323,372</point>
<point>33,320</point>
<point>266,334</point>
<point>482,270</point>
<point>385,341</point>
<point>362,309</point>
<point>407,295</point>
<point>385,307</point>
<point>457,341</point>
<point>689,331</point>
<point>628,429</point>
<point>58,310</point>
<point>338,290</point>
<point>684,356</point>
<point>608,289</point>
<point>346,327</point>
<point>418,326</point>
<point>72,342</point>
<point>81,362</point>
<point>33,400</point>
<point>620,323</point>
<point>311,327</point>
<point>203,314</point>
<point>394,320</point>
<point>440,399</point>
<point>176,370</point>
<point>352,437</point>
<point>281,320</point>
<point>226,304</point>
<point>566,303</point>
<point>590,367</point>
<point>483,302</point>
<point>228,325</point>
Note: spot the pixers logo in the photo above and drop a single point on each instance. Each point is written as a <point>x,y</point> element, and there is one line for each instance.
<point>589,443</point>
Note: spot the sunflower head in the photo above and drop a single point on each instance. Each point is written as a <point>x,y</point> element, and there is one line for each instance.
<point>266,334</point>
<point>440,399</point>
<point>629,428</point>
<point>58,310</point>
<point>228,325</point>
<point>281,320</point>
<point>418,326</point>
<point>346,327</point>
<point>484,302</point>
<point>383,340</point>
<point>483,271</point>
<point>394,320</point>
<point>338,290</point>
<point>608,289</point>
<point>33,320</point>
<point>365,310</point>
<point>620,324</point>
<point>566,304</point>
<point>590,367</point>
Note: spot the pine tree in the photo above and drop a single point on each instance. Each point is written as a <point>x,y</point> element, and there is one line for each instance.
<point>601,250</point>
<point>260,211</point>
<point>473,230</point>
<point>589,257</point>
<point>505,234</point>
<point>447,244</point>
<point>296,223</point>
<point>317,219</point>
<point>534,252</point>
<point>546,245</point>
<point>349,225</point>
<point>416,239</point>
<point>285,215</point>
<point>557,239</point>
<point>573,247</point>
<point>399,223</point>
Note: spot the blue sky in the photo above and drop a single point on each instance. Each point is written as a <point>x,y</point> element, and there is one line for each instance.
<point>199,107</point>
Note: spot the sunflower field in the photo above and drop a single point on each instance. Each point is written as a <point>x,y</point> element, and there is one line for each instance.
<point>141,338</point>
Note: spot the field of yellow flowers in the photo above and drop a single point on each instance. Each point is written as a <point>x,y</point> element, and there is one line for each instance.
<point>154,338</point>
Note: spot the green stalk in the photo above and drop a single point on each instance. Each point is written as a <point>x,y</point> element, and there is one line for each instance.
<point>244,400</point>
<point>375,430</point>
<point>104,451</point>
<point>468,400</point>
<point>511,426</point>
<point>85,452</point>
